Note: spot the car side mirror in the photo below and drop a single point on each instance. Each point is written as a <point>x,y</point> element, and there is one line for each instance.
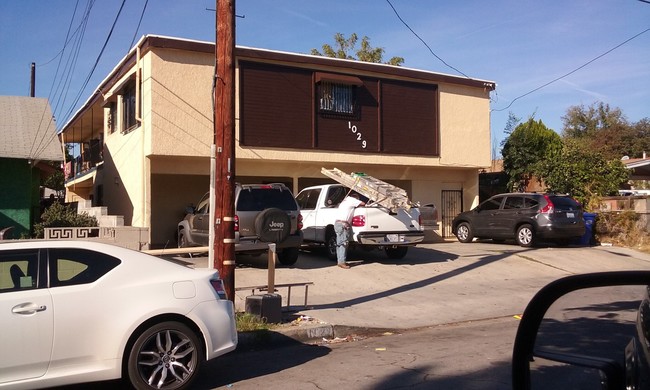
<point>601,342</point>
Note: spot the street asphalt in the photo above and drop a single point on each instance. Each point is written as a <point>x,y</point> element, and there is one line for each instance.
<point>434,284</point>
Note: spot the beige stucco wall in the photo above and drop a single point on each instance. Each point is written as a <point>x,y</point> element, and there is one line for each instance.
<point>464,126</point>
<point>181,103</point>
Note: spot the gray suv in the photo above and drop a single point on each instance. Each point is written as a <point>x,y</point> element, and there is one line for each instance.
<point>264,213</point>
<point>526,217</point>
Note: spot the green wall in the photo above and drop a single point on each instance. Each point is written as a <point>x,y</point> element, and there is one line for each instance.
<point>19,195</point>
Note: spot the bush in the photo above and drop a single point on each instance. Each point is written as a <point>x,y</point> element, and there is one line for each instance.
<point>59,215</point>
<point>625,228</point>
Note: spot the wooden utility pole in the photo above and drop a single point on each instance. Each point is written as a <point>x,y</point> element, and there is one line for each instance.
<point>224,140</point>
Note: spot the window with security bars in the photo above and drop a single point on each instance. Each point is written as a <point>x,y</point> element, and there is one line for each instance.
<point>335,98</point>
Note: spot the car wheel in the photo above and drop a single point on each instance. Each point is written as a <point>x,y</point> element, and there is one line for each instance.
<point>288,256</point>
<point>273,225</point>
<point>525,236</point>
<point>464,232</point>
<point>182,239</point>
<point>330,245</point>
<point>397,252</point>
<point>165,356</point>
<point>182,242</point>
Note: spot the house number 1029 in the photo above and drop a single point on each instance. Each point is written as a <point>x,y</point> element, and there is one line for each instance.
<point>357,134</point>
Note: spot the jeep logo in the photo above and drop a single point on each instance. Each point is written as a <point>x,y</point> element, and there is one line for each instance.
<point>277,225</point>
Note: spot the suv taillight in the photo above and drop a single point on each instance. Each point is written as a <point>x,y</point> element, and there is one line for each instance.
<point>219,288</point>
<point>236,223</point>
<point>548,209</point>
<point>359,220</point>
<point>299,221</point>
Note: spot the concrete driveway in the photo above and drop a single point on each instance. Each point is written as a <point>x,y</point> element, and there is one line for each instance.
<point>435,284</point>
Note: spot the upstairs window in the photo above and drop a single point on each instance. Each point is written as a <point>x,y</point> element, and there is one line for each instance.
<point>128,107</point>
<point>337,94</point>
<point>336,98</point>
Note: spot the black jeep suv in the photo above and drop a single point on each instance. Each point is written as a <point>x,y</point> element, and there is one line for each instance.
<point>526,217</point>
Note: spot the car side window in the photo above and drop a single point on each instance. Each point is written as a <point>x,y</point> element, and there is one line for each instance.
<point>78,266</point>
<point>335,195</point>
<point>18,270</point>
<point>204,205</point>
<point>307,200</point>
<point>530,203</point>
<point>513,202</point>
<point>491,204</point>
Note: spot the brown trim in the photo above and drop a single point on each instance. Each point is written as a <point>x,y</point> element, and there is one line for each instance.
<point>380,123</point>
<point>314,118</point>
<point>338,78</point>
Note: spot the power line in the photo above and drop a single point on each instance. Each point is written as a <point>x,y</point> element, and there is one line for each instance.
<point>573,71</point>
<point>40,148</point>
<point>135,34</point>
<point>99,56</point>
<point>422,40</point>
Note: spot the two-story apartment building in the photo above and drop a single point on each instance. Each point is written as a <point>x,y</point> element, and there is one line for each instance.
<point>147,130</point>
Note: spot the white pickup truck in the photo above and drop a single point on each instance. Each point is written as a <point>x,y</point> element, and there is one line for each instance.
<point>373,226</point>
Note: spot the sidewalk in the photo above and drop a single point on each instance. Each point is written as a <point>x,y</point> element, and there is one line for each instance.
<point>435,284</point>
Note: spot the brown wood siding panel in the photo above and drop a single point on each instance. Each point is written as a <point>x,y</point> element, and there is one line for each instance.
<point>276,106</point>
<point>337,133</point>
<point>409,120</point>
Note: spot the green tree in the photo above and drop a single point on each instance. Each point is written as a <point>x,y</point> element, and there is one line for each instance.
<point>640,139</point>
<point>606,130</point>
<point>585,174</point>
<point>526,149</point>
<point>345,48</point>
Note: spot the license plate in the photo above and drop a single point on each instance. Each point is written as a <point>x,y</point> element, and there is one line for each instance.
<point>392,237</point>
<point>570,215</point>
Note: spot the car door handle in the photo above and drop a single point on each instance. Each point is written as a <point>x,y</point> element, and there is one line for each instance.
<point>27,308</point>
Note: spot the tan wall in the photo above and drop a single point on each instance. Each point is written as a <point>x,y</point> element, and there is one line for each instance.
<point>181,103</point>
<point>464,126</point>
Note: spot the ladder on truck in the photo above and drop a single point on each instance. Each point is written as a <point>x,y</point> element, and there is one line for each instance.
<point>387,195</point>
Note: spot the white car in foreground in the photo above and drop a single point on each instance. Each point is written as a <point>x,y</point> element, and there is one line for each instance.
<point>81,311</point>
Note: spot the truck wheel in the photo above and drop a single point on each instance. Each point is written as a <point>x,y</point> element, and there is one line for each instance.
<point>273,225</point>
<point>330,245</point>
<point>182,242</point>
<point>288,256</point>
<point>397,252</point>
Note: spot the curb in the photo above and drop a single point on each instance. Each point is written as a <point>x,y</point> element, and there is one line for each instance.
<point>311,334</point>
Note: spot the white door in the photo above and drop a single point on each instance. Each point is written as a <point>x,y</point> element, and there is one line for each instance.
<point>26,320</point>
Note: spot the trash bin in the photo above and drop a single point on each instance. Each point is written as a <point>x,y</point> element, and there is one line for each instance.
<point>590,221</point>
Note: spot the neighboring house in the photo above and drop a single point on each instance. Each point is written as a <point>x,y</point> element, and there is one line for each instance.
<point>148,129</point>
<point>639,167</point>
<point>29,140</point>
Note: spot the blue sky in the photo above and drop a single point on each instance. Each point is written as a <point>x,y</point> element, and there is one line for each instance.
<point>519,44</point>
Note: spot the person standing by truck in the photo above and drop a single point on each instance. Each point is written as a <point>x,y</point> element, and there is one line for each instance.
<point>342,227</point>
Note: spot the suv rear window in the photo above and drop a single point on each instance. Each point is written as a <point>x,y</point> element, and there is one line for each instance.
<point>564,203</point>
<point>258,199</point>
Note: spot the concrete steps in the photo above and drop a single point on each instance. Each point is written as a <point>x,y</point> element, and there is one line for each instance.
<point>101,213</point>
